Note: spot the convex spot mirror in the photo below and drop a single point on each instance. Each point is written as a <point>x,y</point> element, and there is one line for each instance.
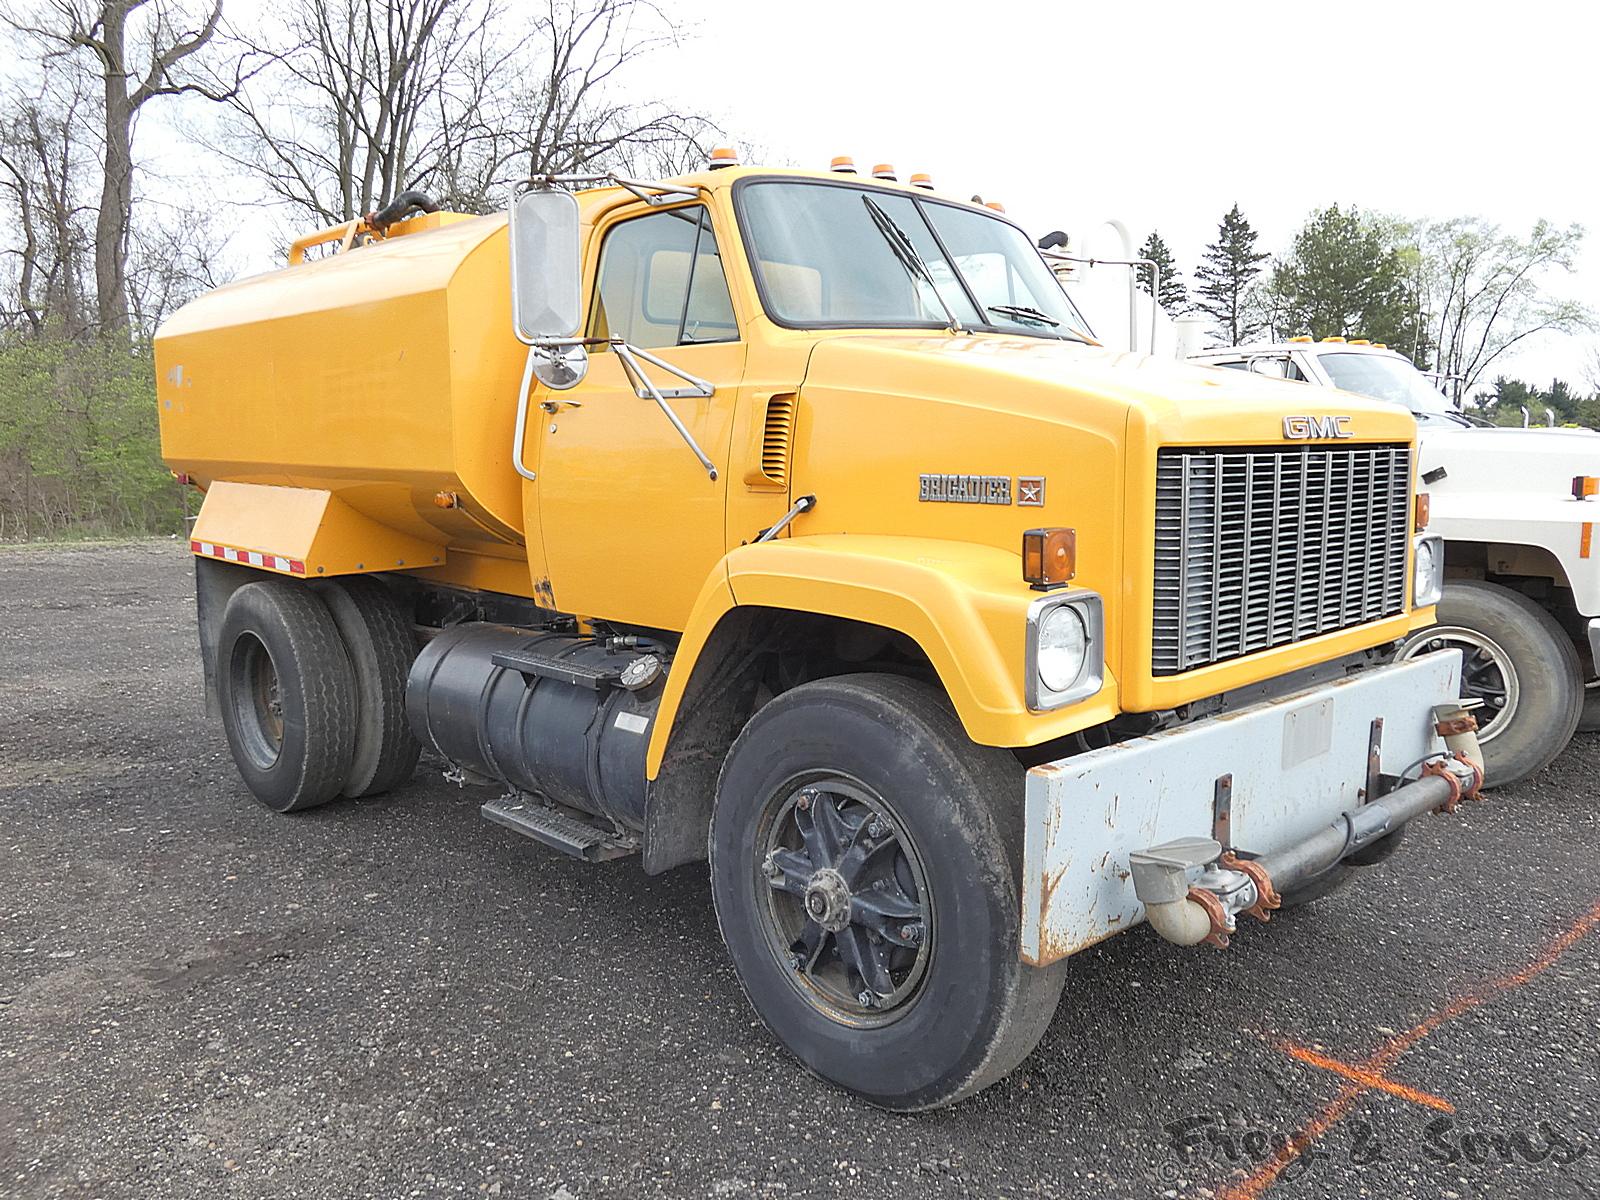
<point>546,271</point>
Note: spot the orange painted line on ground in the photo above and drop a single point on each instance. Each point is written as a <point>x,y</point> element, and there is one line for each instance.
<point>1389,1053</point>
<point>1368,1079</point>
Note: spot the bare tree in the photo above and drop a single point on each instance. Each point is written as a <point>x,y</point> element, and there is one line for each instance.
<point>41,161</point>
<point>1484,291</point>
<point>136,48</point>
<point>351,101</point>
<point>361,99</point>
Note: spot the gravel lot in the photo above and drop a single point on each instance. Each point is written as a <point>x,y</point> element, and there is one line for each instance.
<point>395,998</point>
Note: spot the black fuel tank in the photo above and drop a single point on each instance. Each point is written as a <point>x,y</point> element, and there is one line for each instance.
<point>546,713</point>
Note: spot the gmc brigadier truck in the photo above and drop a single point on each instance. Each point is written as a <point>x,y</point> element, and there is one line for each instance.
<point>795,521</point>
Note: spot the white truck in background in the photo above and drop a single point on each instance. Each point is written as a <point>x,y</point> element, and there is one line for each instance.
<point>1517,509</point>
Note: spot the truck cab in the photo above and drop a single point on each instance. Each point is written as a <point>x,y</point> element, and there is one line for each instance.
<point>796,521</point>
<point>1516,511</point>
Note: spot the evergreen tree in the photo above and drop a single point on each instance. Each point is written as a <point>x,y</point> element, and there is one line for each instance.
<point>1174,295</point>
<point>1345,276</point>
<point>1223,280</point>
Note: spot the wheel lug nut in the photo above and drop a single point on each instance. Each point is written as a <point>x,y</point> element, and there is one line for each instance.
<point>797,960</point>
<point>867,999</point>
<point>804,802</point>
<point>912,933</point>
<point>770,868</point>
<point>876,828</point>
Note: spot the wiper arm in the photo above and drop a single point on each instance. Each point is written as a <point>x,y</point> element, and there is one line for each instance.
<point>1023,312</point>
<point>907,254</point>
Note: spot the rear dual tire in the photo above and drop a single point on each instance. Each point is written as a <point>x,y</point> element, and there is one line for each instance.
<point>311,687</point>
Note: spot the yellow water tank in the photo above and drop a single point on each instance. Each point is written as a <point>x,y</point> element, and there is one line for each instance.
<point>386,375</point>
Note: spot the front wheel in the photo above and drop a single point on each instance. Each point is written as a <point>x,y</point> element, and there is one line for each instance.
<point>1520,663</point>
<point>865,864</point>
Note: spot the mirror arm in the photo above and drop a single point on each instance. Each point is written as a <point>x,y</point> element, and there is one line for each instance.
<point>636,374</point>
<point>700,387</point>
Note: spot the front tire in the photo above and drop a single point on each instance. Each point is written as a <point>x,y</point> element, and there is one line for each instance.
<point>287,694</point>
<point>1520,663</point>
<point>866,865</point>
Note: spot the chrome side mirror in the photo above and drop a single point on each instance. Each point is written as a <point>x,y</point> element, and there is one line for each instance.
<point>559,367</point>
<point>1276,368</point>
<point>546,267</point>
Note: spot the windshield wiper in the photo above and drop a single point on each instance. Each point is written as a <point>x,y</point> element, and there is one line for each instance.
<point>1024,313</point>
<point>909,258</point>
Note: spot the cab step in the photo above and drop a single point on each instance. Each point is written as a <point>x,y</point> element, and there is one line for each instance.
<point>559,830</point>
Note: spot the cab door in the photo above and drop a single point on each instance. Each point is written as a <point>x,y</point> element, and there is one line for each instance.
<point>632,522</point>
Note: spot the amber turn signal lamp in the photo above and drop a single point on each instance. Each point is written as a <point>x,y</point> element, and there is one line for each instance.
<point>1424,508</point>
<point>446,499</point>
<point>1049,556</point>
<point>1584,486</point>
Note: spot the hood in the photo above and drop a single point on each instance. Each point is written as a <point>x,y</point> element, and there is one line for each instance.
<point>1540,461</point>
<point>1157,400</point>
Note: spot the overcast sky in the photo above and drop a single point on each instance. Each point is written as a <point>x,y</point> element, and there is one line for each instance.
<point>1165,114</point>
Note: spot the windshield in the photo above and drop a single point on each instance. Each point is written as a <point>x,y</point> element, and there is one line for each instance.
<point>832,254</point>
<point>1384,377</point>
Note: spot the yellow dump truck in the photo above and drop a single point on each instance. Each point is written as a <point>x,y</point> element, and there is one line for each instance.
<point>795,520</point>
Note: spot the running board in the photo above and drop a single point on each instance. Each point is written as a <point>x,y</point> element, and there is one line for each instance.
<point>558,830</point>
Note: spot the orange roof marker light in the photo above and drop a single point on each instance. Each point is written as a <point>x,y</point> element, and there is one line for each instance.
<point>1361,341</point>
<point>1334,338</point>
<point>724,156</point>
<point>1304,337</point>
<point>884,171</point>
<point>922,180</point>
<point>843,164</point>
<point>994,204</point>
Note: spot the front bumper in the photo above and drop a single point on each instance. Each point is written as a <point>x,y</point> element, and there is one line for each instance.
<point>1293,765</point>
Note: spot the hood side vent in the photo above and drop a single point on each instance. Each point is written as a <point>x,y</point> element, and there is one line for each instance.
<point>777,442</point>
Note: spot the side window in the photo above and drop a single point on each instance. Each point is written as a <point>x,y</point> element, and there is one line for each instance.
<point>662,283</point>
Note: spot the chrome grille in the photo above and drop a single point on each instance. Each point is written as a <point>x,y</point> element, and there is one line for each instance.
<point>1259,548</point>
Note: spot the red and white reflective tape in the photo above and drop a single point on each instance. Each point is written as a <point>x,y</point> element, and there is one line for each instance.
<point>249,558</point>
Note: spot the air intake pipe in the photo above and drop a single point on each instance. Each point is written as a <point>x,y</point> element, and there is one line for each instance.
<point>400,207</point>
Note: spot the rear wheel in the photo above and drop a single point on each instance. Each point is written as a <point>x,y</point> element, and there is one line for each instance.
<point>287,694</point>
<point>379,640</point>
<point>1520,663</point>
<point>865,863</point>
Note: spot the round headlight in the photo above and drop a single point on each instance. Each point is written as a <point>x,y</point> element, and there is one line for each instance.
<point>1425,577</point>
<point>1063,646</point>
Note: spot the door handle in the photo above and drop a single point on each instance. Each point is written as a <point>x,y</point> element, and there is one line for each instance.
<point>552,406</point>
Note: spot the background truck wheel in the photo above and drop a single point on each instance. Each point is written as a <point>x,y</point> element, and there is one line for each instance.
<point>287,694</point>
<point>865,864</point>
<point>1520,663</point>
<point>378,638</point>
<point>1590,721</point>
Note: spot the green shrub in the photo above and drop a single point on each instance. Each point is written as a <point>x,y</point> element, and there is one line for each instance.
<point>80,452</point>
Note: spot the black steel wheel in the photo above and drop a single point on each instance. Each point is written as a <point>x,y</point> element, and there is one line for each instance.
<point>287,694</point>
<point>866,869</point>
<point>847,905</point>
